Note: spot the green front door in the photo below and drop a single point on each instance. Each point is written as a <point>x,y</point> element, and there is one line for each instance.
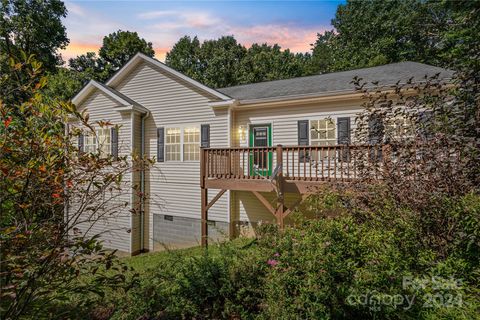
<point>260,162</point>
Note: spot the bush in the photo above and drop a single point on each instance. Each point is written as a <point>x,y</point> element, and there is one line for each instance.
<point>225,281</point>
<point>361,262</point>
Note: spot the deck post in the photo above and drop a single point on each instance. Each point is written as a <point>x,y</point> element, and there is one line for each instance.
<point>204,198</point>
<point>280,187</point>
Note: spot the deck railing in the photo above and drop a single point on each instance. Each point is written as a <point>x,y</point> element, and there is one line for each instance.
<point>307,163</point>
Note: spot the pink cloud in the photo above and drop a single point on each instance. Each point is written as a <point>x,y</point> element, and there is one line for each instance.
<point>288,37</point>
<point>78,48</point>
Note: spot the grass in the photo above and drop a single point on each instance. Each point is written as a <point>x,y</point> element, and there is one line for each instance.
<point>144,262</point>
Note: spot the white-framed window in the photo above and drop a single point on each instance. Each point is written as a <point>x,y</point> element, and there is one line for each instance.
<point>101,142</point>
<point>90,143</point>
<point>104,136</point>
<point>191,144</point>
<point>173,144</point>
<point>323,132</point>
<point>400,127</point>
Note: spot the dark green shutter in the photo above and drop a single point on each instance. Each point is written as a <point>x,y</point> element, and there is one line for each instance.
<point>205,135</point>
<point>303,138</point>
<point>343,137</point>
<point>160,144</point>
<point>114,142</point>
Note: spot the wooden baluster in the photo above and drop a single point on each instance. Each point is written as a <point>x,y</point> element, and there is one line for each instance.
<point>305,164</point>
<point>355,163</point>
<point>286,160</point>
<point>329,164</point>
<point>262,159</point>
<point>249,155</point>
<point>335,160</point>
<point>244,164</point>
<point>229,163</point>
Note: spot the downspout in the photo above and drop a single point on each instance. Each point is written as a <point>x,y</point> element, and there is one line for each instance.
<point>142,184</point>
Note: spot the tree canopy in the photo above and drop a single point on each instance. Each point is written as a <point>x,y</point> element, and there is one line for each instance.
<point>34,27</point>
<point>376,32</point>
<point>224,62</point>
<point>118,47</point>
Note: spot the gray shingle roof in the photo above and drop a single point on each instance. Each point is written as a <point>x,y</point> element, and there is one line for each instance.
<point>335,82</point>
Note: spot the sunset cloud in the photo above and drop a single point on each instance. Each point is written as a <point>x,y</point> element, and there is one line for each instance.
<point>86,27</point>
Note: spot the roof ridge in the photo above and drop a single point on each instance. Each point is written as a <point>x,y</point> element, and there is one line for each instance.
<point>327,73</point>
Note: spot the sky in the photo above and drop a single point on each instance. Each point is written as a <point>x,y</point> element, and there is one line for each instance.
<point>291,24</point>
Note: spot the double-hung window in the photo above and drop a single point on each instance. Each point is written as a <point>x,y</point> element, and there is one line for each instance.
<point>323,133</point>
<point>90,143</point>
<point>101,142</point>
<point>173,144</point>
<point>400,128</point>
<point>104,141</point>
<point>182,144</point>
<point>191,144</point>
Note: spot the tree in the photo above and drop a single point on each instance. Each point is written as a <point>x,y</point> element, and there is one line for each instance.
<point>375,32</point>
<point>184,57</point>
<point>118,47</point>
<point>34,27</point>
<point>121,46</point>
<point>29,27</point>
<point>265,63</point>
<point>323,52</point>
<point>64,84</point>
<point>42,253</point>
<point>224,62</point>
<point>219,61</point>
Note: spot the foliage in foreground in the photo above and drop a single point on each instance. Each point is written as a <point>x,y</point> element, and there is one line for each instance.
<point>368,263</point>
<point>47,254</point>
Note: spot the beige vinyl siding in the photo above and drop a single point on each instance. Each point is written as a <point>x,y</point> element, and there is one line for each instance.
<point>173,187</point>
<point>114,228</point>
<point>284,122</point>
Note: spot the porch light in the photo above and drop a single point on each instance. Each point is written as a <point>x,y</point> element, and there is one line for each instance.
<point>242,133</point>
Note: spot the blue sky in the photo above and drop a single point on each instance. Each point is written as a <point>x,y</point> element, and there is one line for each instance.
<point>292,24</point>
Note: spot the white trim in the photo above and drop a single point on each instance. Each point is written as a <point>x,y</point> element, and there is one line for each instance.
<point>126,105</point>
<point>334,120</point>
<point>259,123</point>
<point>182,128</point>
<point>227,103</point>
<point>89,86</point>
<point>132,191</point>
<point>140,56</point>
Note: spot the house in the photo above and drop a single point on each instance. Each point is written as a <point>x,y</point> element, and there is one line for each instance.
<point>229,184</point>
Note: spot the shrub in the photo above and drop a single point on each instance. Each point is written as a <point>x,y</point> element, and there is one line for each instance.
<point>222,282</point>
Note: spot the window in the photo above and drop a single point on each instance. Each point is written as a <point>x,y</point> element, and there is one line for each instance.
<point>90,143</point>
<point>100,142</point>
<point>400,127</point>
<point>104,141</point>
<point>191,144</point>
<point>172,144</point>
<point>323,133</point>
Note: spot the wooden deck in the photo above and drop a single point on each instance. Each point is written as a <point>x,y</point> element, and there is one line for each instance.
<point>280,169</point>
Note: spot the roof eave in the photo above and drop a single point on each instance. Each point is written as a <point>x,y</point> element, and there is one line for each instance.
<point>140,56</point>
<point>332,95</point>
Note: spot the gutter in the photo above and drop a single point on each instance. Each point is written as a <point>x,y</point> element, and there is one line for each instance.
<point>142,184</point>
